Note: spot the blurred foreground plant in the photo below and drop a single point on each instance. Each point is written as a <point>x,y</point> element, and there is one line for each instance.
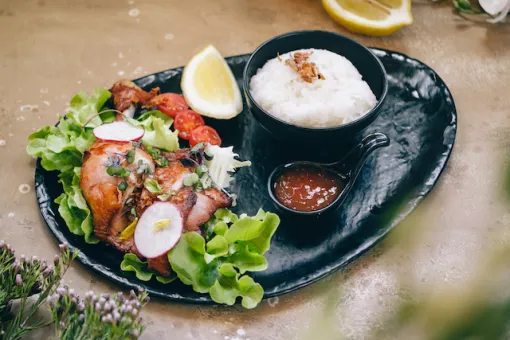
<point>20,279</point>
<point>95,317</point>
<point>497,10</point>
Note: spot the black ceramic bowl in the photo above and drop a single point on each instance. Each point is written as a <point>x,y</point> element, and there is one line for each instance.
<point>369,66</point>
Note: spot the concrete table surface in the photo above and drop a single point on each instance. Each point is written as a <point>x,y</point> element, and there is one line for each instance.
<point>51,49</point>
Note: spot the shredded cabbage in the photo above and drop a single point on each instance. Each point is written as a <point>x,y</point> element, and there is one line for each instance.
<point>223,164</point>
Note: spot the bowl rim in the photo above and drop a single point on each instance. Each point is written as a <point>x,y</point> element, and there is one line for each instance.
<point>365,117</point>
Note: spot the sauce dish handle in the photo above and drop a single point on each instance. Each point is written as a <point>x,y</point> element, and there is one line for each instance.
<point>350,165</point>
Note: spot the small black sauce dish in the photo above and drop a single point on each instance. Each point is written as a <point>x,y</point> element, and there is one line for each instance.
<point>346,170</point>
<point>369,66</point>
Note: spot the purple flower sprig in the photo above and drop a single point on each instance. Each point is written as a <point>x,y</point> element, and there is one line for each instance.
<point>97,316</point>
<point>21,278</point>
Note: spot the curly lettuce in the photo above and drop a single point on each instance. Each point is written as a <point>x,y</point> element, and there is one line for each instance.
<point>219,263</point>
<point>61,148</point>
<point>157,130</point>
<point>73,207</point>
<point>218,266</point>
<point>131,263</point>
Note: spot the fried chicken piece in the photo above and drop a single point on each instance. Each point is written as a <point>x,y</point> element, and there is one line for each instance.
<point>160,264</point>
<point>185,199</point>
<point>171,178</point>
<point>208,201</point>
<point>101,191</point>
<point>125,93</point>
<point>108,204</point>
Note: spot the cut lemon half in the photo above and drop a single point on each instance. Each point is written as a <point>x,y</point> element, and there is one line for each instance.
<point>210,87</point>
<point>370,17</point>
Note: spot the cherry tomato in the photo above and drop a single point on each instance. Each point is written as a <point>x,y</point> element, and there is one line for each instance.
<point>204,134</point>
<point>187,121</point>
<point>170,103</point>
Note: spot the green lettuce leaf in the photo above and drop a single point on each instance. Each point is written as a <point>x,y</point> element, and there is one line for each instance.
<point>219,266</point>
<point>256,232</point>
<point>61,148</point>
<point>227,289</point>
<point>73,207</point>
<point>131,263</point>
<point>157,130</point>
<point>84,107</point>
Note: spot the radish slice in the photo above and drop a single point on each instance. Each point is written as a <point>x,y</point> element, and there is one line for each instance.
<point>118,132</point>
<point>158,229</point>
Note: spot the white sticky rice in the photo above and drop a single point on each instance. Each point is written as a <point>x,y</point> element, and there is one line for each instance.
<point>340,98</point>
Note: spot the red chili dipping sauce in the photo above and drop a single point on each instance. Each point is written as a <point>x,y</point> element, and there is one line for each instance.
<point>307,188</point>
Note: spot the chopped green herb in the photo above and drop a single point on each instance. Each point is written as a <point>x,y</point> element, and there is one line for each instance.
<point>206,181</point>
<point>154,152</point>
<point>133,211</point>
<point>190,180</point>
<point>117,170</point>
<point>166,196</point>
<point>130,157</point>
<point>152,185</point>
<point>143,168</point>
<point>163,161</point>
<point>122,186</point>
<point>129,200</point>
<point>201,170</point>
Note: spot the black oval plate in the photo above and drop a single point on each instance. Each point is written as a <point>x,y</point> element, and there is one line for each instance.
<point>420,118</point>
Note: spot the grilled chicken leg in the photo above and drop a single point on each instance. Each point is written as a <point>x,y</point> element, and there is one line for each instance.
<point>102,191</point>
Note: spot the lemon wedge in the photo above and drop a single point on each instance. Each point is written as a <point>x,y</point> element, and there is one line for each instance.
<point>370,17</point>
<point>210,87</point>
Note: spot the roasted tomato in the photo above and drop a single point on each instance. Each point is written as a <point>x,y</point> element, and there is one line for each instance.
<point>187,121</point>
<point>170,103</point>
<point>204,134</point>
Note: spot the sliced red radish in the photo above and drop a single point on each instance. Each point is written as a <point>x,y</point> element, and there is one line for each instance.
<point>158,229</point>
<point>118,132</point>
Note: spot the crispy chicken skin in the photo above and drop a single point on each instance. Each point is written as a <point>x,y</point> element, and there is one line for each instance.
<point>171,178</point>
<point>101,191</point>
<point>125,93</point>
<point>208,201</point>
